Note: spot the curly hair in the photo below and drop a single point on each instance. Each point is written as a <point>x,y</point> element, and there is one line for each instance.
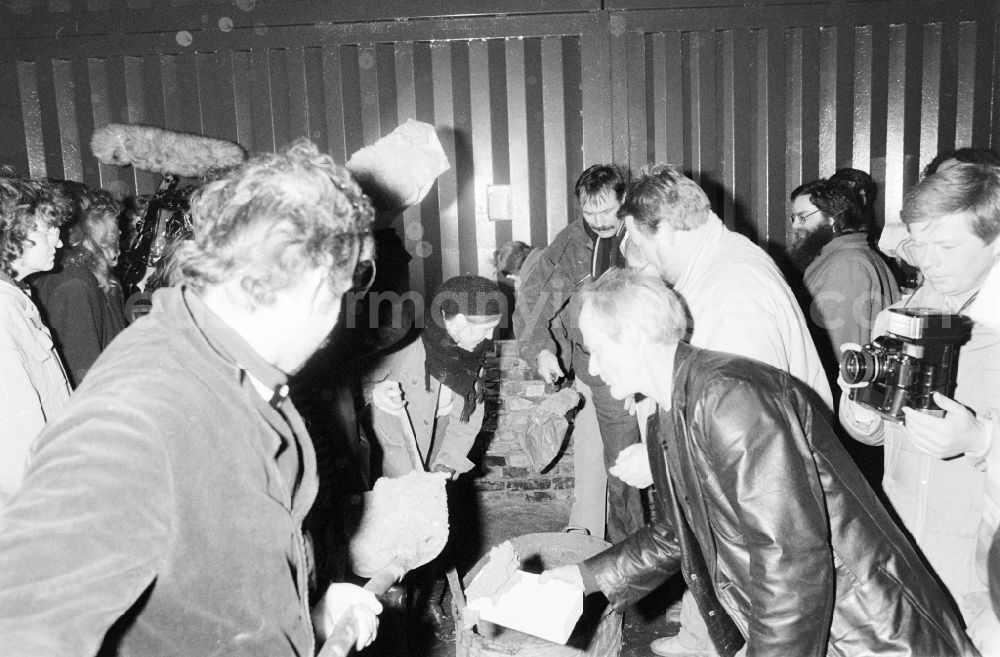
<point>272,219</point>
<point>23,205</point>
<point>836,201</point>
<point>661,192</point>
<point>92,236</point>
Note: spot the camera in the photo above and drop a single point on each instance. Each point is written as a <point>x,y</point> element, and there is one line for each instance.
<point>917,357</point>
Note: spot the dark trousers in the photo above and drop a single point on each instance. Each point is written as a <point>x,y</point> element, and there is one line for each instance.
<point>618,431</point>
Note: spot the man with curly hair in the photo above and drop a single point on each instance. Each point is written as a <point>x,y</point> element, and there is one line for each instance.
<point>162,509</point>
<point>32,379</point>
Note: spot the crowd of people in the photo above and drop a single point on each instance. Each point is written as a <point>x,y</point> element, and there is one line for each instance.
<point>715,438</point>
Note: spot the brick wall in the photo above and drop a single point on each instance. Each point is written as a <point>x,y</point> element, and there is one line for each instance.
<point>508,474</point>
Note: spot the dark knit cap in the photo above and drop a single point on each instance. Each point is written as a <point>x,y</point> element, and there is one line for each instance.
<point>472,296</point>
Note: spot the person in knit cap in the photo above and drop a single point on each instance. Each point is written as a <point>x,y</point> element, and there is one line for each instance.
<point>433,385</point>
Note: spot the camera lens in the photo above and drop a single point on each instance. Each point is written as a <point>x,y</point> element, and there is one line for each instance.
<point>858,366</point>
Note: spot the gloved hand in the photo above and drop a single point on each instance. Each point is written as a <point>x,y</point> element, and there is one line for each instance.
<point>632,466</point>
<point>388,396</point>
<point>569,574</point>
<point>341,599</point>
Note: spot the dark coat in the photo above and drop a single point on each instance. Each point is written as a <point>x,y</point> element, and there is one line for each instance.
<point>169,493</point>
<point>83,318</point>
<point>789,542</point>
<point>547,306</point>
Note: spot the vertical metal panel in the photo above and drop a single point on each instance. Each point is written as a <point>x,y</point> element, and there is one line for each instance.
<point>69,138</point>
<point>663,92</point>
<point>896,121</point>
<point>49,118</point>
<point>278,96</point>
<point>429,249</point>
<point>810,103</point>
<point>385,60</point>
<point>535,138</point>
<point>556,212</point>
<point>243,94</point>
<point>517,120</point>
<point>794,175</point>
<point>84,120</point>
<point>618,63</point>
<point>827,100</point>
<point>136,98</point>
<point>772,226</point>
<point>727,125</point>
<point>406,108</point>
<point>217,100</point>
<point>966,92</point>
<point>31,111</point>
<point>368,82</point>
<point>333,96</point>
<point>448,181</point>
<point>573,115</point>
<point>312,61</point>
<point>948,89</point>
<point>596,92</point>
<point>499,127</point>
<point>12,149</point>
<point>760,106</point>
<point>930,94</point>
<point>673,62</point>
<point>261,110</point>
<point>636,94</point>
<point>862,97</point>
<point>97,70</point>
<point>468,249</point>
<point>298,104</point>
<point>482,151</point>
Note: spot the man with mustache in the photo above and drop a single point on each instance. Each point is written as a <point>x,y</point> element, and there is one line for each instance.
<point>549,339</point>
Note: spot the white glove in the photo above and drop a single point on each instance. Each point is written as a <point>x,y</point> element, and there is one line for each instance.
<point>569,574</point>
<point>632,466</point>
<point>343,599</point>
<point>388,396</point>
<point>548,366</point>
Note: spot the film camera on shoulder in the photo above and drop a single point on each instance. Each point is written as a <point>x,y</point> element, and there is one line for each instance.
<point>917,357</point>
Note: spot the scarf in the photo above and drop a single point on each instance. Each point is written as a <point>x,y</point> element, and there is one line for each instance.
<point>453,366</point>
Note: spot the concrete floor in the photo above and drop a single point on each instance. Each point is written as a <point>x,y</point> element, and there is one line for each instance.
<point>402,635</point>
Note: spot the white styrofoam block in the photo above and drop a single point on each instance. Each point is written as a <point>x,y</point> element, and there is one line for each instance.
<point>548,610</point>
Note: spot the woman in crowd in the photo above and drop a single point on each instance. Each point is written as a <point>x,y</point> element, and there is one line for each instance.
<point>81,301</point>
<point>427,397</point>
<point>33,384</point>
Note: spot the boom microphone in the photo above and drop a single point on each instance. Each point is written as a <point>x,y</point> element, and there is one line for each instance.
<point>164,151</point>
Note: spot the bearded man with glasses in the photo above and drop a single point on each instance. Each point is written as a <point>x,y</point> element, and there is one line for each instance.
<point>847,281</point>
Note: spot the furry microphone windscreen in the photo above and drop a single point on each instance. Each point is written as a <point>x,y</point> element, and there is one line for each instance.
<point>164,151</point>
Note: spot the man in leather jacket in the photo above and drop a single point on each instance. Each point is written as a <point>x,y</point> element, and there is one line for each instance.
<point>775,530</point>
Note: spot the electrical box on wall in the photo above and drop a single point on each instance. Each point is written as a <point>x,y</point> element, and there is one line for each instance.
<point>498,205</point>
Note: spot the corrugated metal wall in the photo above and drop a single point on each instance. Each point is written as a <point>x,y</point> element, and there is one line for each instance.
<point>752,100</point>
<point>756,102</point>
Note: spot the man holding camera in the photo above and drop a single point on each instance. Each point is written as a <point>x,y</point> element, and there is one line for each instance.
<point>935,464</point>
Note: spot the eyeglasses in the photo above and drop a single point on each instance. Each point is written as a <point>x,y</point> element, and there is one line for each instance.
<point>798,216</point>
